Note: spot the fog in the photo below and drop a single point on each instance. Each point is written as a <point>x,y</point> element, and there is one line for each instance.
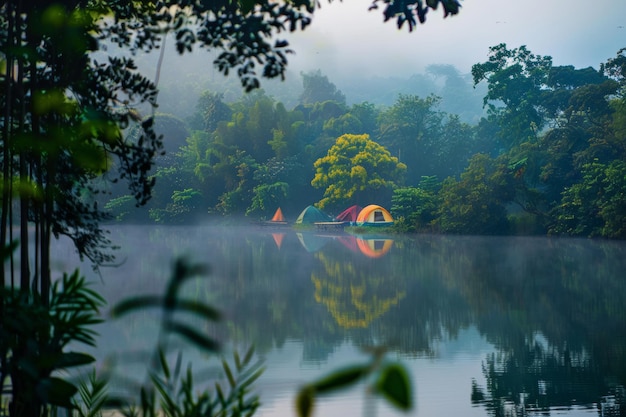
<point>370,60</point>
<point>345,38</point>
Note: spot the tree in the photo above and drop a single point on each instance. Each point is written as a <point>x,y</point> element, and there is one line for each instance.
<point>458,97</point>
<point>317,89</point>
<point>516,79</point>
<point>210,110</point>
<point>595,206</point>
<point>413,208</point>
<point>405,12</point>
<point>411,129</point>
<point>357,170</point>
<point>63,117</point>
<point>65,104</point>
<point>477,203</point>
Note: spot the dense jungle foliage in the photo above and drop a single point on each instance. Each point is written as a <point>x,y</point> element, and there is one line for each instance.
<point>547,156</point>
<point>71,125</point>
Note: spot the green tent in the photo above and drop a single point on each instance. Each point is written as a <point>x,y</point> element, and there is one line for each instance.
<point>312,215</point>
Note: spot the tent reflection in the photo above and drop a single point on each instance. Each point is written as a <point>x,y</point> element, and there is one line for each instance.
<point>374,248</point>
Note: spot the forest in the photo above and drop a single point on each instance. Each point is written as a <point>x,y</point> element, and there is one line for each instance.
<point>86,137</point>
<point>544,154</point>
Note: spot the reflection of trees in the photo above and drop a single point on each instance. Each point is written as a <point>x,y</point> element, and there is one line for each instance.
<point>353,297</point>
<point>538,377</point>
<point>571,292</point>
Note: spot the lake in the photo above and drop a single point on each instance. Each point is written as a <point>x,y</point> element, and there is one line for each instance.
<point>487,326</point>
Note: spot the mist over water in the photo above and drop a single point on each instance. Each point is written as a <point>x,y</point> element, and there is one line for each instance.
<point>539,318</point>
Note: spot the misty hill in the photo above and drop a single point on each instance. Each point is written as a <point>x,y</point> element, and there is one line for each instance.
<point>183,78</point>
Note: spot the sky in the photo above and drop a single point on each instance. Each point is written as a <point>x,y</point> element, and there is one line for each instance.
<point>345,38</point>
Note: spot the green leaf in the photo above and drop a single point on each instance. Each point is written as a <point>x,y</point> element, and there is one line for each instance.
<point>70,359</point>
<point>200,309</point>
<point>164,366</point>
<point>193,336</point>
<point>135,303</point>
<point>246,6</point>
<point>229,374</point>
<point>248,355</point>
<point>395,386</point>
<point>56,391</point>
<point>340,378</point>
<point>305,401</point>
<point>251,378</point>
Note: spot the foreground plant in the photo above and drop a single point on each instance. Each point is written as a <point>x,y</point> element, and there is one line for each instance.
<point>34,337</point>
<point>170,391</point>
<point>390,380</point>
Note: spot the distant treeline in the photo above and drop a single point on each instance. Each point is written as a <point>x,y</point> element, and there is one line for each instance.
<point>547,156</point>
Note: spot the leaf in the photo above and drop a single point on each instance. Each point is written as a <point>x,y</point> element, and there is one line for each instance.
<point>340,379</point>
<point>193,336</point>
<point>305,401</point>
<point>251,378</point>
<point>70,359</point>
<point>135,303</point>
<point>395,386</point>
<point>229,374</point>
<point>56,391</point>
<point>200,309</point>
<point>164,366</point>
<point>248,355</point>
<point>246,6</point>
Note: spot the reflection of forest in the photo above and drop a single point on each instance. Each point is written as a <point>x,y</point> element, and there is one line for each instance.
<point>355,298</point>
<point>554,309</point>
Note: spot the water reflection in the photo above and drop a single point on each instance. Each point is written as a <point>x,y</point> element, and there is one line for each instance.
<point>370,246</point>
<point>541,321</point>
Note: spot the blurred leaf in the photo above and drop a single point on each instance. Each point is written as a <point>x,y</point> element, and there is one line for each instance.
<point>254,374</point>
<point>70,359</point>
<point>183,270</point>
<point>164,366</point>
<point>340,378</point>
<point>305,401</point>
<point>93,396</point>
<point>248,355</point>
<point>220,395</point>
<point>56,391</point>
<point>395,386</point>
<point>6,250</point>
<point>193,336</point>
<point>135,303</point>
<point>229,374</point>
<point>246,6</point>
<point>200,309</point>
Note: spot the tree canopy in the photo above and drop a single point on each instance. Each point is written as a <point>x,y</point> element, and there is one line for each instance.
<point>356,170</point>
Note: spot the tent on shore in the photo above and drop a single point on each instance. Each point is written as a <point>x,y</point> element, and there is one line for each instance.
<point>311,215</point>
<point>374,215</point>
<point>277,220</point>
<point>278,216</point>
<point>349,215</point>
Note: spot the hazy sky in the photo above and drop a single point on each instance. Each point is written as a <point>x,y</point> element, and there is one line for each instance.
<point>348,38</point>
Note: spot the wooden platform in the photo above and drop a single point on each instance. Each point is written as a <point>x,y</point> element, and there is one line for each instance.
<point>329,225</point>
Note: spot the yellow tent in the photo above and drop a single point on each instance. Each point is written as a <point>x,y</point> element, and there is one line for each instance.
<point>374,215</point>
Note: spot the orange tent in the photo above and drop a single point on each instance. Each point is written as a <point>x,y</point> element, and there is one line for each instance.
<point>374,215</point>
<point>278,216</point>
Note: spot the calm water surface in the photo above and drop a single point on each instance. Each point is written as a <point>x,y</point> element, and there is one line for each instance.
<point>486,326</point>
